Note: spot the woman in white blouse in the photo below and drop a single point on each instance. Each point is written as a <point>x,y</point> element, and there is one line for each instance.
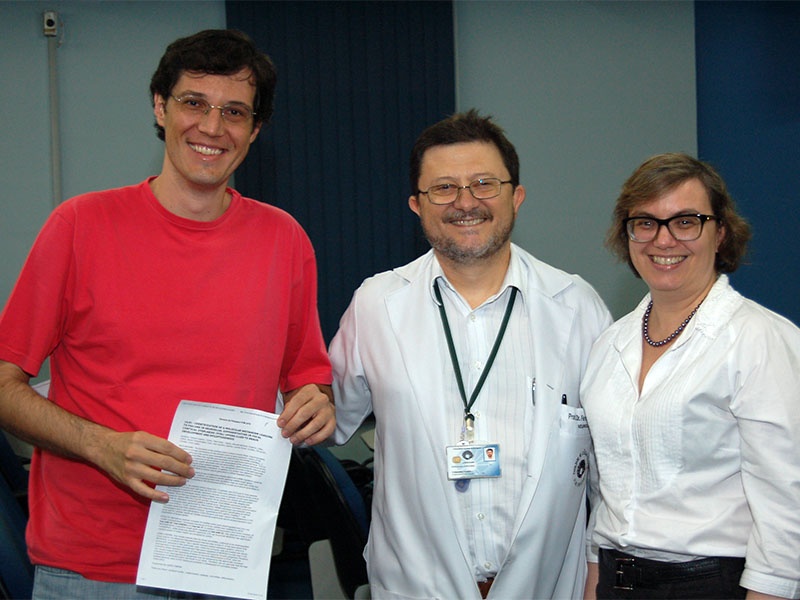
<point>693,401</point>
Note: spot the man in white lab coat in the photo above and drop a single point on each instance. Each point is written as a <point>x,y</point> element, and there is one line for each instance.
<point>470,358</point>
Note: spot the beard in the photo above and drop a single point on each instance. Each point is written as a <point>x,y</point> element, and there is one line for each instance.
<point>465,255</point>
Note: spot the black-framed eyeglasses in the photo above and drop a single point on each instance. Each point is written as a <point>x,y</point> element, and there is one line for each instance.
<point>684,228</point>
<point>234,112</point>
<point>481,189</point>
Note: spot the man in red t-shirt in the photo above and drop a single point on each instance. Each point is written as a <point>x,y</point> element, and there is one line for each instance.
<point>175,288</point>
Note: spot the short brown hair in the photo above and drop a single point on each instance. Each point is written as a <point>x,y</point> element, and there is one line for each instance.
<point>664,172</point>
<point>217,52</point>
<point>462,128</point>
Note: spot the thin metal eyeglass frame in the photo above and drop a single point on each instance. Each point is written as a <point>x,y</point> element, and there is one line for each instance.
<point>464,187</point>
<point>666,223</point>
<point>213,106</point>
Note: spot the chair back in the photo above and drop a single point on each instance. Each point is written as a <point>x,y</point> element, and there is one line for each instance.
<point>16,571</point>
<point>12,469</point>
<point>345,518</point>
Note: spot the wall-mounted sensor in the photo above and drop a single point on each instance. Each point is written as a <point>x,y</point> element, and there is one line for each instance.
<point>50,23</point>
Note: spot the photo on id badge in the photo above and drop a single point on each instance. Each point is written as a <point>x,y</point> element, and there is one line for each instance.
<point>471,461</point>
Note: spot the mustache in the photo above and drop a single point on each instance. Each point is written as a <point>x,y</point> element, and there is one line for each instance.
<point>455,214</point>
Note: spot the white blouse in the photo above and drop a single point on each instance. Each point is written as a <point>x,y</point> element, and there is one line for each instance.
<point>706,460</point>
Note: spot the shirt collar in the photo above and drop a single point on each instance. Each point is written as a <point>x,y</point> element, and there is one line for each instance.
<point>713,313</point>
<point>514,278</point>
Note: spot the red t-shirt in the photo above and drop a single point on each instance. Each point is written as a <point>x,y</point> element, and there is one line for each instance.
<point>139,308</point>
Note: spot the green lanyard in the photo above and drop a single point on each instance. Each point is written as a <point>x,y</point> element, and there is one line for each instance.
<point>469,419</point>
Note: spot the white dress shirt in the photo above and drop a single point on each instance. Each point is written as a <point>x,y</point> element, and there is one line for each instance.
<point>502,410</point>
<point>705,461</point>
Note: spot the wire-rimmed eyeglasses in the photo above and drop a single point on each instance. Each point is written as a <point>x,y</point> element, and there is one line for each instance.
<point>234,112</point>
<point>485,188</point>
<point>684,228</point>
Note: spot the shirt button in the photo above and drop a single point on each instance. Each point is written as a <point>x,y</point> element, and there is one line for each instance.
<point>478,365</point>
<point>472,317</point>
<point>481,516</point>
<point>487,565</point>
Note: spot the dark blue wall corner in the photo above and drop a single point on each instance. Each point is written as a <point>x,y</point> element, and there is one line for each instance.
<point>748,114</point>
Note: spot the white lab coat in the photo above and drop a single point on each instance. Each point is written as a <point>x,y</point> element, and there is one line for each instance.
<point>390,357</point>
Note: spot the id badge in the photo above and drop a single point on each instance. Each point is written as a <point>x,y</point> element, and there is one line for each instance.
<point>471,461</point>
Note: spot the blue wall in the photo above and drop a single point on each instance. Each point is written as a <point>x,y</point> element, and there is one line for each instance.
<point>748,114</point>
<point>353,92</point>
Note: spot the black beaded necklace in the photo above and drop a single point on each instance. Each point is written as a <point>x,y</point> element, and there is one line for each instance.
<point>671,336</point>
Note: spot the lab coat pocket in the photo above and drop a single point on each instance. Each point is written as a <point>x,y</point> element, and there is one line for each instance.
<point>573,421</point>
<point>559,474</point>
<point>566,457</point>
<point>377,591</point>
<point>574,445</point>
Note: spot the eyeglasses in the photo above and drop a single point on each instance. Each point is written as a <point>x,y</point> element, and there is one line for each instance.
<point>481,189</point>
<point>684,228</point>
<point>234,113</point>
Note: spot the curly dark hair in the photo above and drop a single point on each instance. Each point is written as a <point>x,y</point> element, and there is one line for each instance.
<point>664,172</point>
<point>460,128</point>
<point>217,52</point>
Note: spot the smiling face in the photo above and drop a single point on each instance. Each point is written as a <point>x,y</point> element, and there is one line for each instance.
<point>203,151</point>
<point>468,230</point>
<point>670,267</point>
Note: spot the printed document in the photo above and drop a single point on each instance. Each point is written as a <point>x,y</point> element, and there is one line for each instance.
<point>215,534</point>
